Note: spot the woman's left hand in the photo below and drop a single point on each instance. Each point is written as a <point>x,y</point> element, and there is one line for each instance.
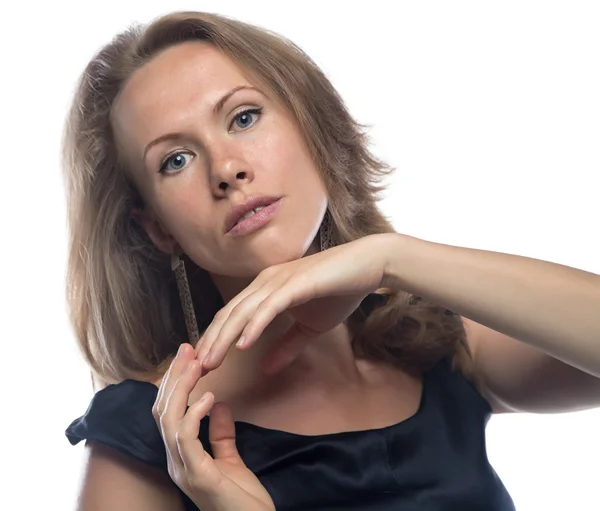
<point>319,291</point>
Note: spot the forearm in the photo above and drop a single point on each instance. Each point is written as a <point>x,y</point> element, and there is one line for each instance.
<point>550,306</point>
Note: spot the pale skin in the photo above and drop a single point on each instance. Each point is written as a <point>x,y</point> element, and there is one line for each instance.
<point>275,278</point>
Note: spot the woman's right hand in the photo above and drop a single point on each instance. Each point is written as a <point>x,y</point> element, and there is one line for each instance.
<point>222,483</point>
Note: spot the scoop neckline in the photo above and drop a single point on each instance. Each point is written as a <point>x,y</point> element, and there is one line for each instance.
<point>405,423</point>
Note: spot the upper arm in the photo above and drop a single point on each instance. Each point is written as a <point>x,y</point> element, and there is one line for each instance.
<point>516,377</point>
<point>115,482</point>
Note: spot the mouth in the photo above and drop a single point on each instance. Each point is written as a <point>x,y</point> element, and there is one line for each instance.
<point>257,208</point>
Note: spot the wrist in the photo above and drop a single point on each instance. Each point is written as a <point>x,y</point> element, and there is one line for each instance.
<point>399,252</point>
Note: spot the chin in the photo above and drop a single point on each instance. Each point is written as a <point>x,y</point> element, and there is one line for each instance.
<point>270,250</point>
<point>274,257</point>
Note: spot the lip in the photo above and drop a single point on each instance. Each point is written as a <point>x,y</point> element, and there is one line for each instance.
<point>241,209</point>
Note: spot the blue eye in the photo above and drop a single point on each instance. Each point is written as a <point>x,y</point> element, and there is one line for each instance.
<point>178,161</point>
<point>245,117</point>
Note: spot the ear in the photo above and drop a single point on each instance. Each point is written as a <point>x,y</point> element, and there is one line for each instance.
<point>161,238</point>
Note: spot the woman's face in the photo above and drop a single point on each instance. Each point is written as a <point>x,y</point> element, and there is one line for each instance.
<point>195,157</point>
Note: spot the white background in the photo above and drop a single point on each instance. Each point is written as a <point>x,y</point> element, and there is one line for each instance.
<point>489,110</point>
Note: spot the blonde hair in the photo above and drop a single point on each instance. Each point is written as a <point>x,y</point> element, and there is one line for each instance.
<point>123,302</point>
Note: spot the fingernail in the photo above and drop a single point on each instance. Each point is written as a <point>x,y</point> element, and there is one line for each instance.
<point>206,359</point>
<point>180,350</point>
<point>240,343</point>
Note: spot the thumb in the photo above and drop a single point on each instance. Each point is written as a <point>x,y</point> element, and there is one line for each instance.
<point>221,433</point>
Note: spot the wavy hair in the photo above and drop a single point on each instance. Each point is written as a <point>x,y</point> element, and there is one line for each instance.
<point>122,297</point>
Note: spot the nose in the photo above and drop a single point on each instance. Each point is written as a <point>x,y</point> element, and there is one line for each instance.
<point>229,172</point>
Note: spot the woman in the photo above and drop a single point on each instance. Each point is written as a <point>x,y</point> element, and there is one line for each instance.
<point>219,191</point>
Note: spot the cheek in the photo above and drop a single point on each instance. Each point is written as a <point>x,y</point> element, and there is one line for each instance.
<point>279,149</point>
<point>186,216</point>
<point>291,163</point>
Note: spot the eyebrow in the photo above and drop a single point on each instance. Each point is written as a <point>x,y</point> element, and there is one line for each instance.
<point>216,109</point>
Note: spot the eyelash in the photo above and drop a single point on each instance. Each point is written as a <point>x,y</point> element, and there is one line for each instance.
<point>163,164</point>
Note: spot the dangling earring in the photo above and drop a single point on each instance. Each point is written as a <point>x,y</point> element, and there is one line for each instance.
<point>326,232</point>
<point>183,285</point>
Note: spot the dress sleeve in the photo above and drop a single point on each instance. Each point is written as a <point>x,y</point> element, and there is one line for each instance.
<point>120,416</point>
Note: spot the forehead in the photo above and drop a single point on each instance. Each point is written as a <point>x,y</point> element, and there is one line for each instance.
<point>183,80</point>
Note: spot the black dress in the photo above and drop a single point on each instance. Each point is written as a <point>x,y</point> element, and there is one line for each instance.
<point>434,461</point>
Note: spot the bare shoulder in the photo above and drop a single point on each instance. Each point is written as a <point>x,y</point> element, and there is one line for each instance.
<point>113,481</point>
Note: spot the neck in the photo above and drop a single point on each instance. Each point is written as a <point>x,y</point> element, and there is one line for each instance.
<point>229,287</point>
<point>327,359</point>
<point>326,362</point>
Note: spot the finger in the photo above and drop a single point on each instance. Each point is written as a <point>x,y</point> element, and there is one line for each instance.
<point>212,332</point>
<point>277,302</point>
<point>248,320</point>
<point>232,329</point>
<point>163,384</point>
<point>285,351</point>
<point>176,405</point>
<point>221,433</point>
<point>209,335</point>
<point>177,400</point>
<point>175,369</point>
<point>197,462</point>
